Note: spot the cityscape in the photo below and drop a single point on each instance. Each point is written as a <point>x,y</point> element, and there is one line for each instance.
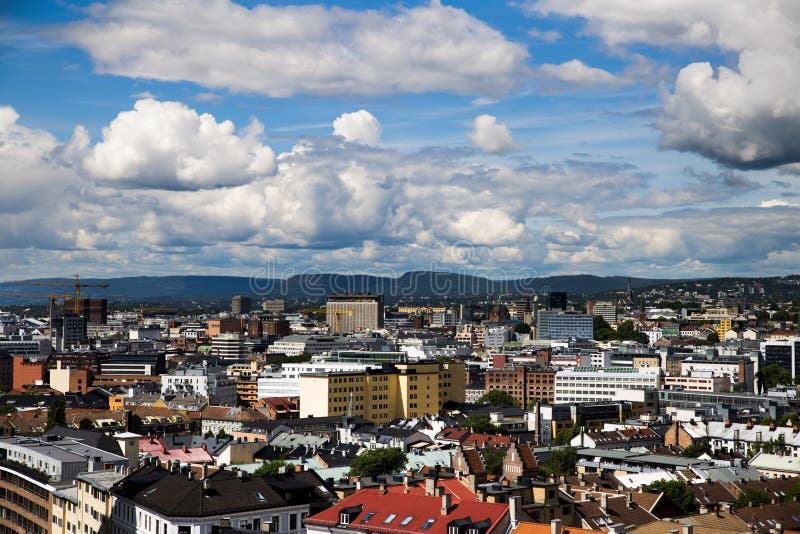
<point>424,267</point>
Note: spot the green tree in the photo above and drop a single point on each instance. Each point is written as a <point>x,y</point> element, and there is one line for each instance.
<point>481,423</point>
<point>498,397</point>
<point>561,462</point>
<point>677,491</point>
<point>57,413</point>
<point>493,460</point>
<point>222,434</point>
<point>773,375</point>
<point>694,451</point>
<point>752,497</point>
<point>565,435</point>
<point>713,337</point>
<point>273,468</point>
<point>376,462</point>
<point>522,328</point>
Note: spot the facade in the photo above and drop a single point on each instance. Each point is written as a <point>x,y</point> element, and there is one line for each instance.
<point>223,326</point>
<point>181,501</point>
<point>784,352</point>
<point>94,310</point>
<point>599,384</point>
<point>740,370</point>
<point>26,372</point>
<point>299,344</point>
<point>698,382</point>
<point>273,305</point>
<point>380,395</point>
<point>559,325</point>
<point>86,506</point>
<point>229,346</point>
<point>25,501</point>
<point>60,459</point>
<point>69,380</point>
<point>525,384</point>
<point>496,336</point>
<point>210,382</point>
<point>603,308</point>
<point>69,331</point>
<point>354,312</point>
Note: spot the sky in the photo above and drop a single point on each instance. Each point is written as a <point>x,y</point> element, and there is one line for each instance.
<point>608,137</point>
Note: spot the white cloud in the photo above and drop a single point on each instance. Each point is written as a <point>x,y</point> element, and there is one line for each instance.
<point>491,136</point>
<point>170,146</point>
<point>283,51</point>
<point>745,118</point>
<point>358,127</point>
<point>575,72</point>
<point>548,36</point>
<point>207,97</point>
<point>143,95</point>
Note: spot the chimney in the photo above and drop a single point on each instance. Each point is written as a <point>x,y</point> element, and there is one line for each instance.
<point>382,489</point>
<point>430,486</point>
<point>298,468</point>
<point>358,482</point>
<point>603,502</point>
<point>555,526</point>
<point>514,509</point>
<point>446,503</point>
<point>630,500</point>
<point>687,529</point>
<point>204,471</point>
<point>778,528</point>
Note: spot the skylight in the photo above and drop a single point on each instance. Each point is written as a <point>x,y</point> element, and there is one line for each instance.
<point>428,524</point>
<point>368,517</point>
<point>407,520</point>
<point>150,492</point>
<point>259,496</point>
<point>389,519</point>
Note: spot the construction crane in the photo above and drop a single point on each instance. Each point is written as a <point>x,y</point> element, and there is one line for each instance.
<point>337,315</point>
<point>77,285</point>
<point>51,296</point>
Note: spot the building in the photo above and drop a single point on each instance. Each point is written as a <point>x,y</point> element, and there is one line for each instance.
<point>229,346</point>
<point>204,381</point>
<point>69,380</point>
<point>299,344</point>
<point>354,312</point>
<point>240,304</point>
<point>273,305</point>
<point>60,459</point>
<point>25,500</point>
<point>496,336</point>
<point>403,510</point>
<point>216,327</point>
<point>27,372</point>
<point>69,331</point>
<point>557,301</point>
<point>740,370</point>
<point>216,418</point>
<point>379,395</point>
<point>603,308</point>
<point>526,384</point>
<point>204,501</point>
<point>94,310</point>
<point>559,325</point>
<point>784,352</point>
<point>87,504</point>
<point>600,384</point>
<point>698,381</point>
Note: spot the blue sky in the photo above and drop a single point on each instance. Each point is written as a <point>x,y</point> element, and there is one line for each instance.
<point>555,136</point>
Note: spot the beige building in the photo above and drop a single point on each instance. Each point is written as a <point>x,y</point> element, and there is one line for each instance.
<point>354,312</point>
<point>644,361</point>
<point>379,395</point>
<point>68,379</point>
<point>86,507</point>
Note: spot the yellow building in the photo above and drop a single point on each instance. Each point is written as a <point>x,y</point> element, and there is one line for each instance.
<point>398,391</point>
<point>646,361</point>
<point>722,327</point>
<point>86,507</point>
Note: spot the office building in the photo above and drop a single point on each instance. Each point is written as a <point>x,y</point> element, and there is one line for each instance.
<point>559,325</point>
<point>354,312</point>
<point>599,384</point>
<point>274,306</point>
<point>223,326</point>
<point>240,304</point>
<point>229,346</point>
<point>603,308</point>
<point>69,380</point>
<point>299,344</point>
<point>783,352</point>
<point>498,335</point>
<point>69,331</point>
<point>380,395</point>
<point>557,301</point>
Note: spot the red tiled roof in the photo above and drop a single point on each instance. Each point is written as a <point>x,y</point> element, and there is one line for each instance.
<point>156,447</point>
<point>410,508</point>
<point>486,440</point>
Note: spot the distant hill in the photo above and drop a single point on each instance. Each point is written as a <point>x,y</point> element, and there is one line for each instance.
<point>410,284</point>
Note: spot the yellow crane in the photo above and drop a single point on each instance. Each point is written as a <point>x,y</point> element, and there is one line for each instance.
<point>77,285</point>
<point>51,296</point>
<point>337,314</point>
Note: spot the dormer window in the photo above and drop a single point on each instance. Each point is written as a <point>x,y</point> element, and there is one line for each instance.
<point>344,518</point>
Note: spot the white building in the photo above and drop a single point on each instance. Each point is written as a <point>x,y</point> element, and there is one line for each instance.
<point>229,346</point>
<point>61,459</point>
<point>210,382</point>
<point>497,336</point>
<point>287,382</point>
<point>599,384</point>
<point>299,344</point>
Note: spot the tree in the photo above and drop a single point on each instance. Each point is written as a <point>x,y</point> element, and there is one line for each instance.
<point>773,375</point>
<point>694,451</point>
<point>561,462</point>
<point>222,434</point>
<point>677,491</point>
<point>565,435</point>
<point>522,328</point>
<point>376,462</point>
<point>273,468</point>
<point>493,460</point>
<point>713,337</point>
<point>481,423</point>
<point>499,397</point>
<point>752,497</point>
<point>57,414</point>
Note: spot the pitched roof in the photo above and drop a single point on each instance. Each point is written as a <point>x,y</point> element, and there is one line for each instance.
<point>765,518</point>
<point>617,511</point>
<point>398,512</point>
<point>226,413</point>
<point>524,527</point>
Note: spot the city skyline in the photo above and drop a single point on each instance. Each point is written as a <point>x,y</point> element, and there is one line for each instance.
<point>562,136</point>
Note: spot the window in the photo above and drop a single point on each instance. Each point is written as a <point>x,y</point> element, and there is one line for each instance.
<point>368,517</point>
<point>292,521</point>
<point>406,520</point>
<point>389,519</point>
<point>428,524</point>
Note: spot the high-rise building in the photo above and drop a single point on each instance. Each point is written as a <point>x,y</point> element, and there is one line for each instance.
<point>69,331</point>
<point>605,309</point>
<point>553,325</point>
<point>784,352</point>
<point>557,300</point>
<point>94,310</point>
<point>354,312</point>
<point>273,305</point>
<point>240,304</point>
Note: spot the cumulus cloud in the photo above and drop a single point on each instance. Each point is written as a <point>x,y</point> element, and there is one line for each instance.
<point>358,127</point>
<point>170,146</point>
<point>287,50</point>
<point>748,117</point>
<point>547,36</point>
<point>491,136</point>
<point>576,72</point>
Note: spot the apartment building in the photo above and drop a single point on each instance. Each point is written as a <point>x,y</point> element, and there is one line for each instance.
<point>86,506</point>
<point>600,384</point>
<point>523,382</point>
<point>25,500</point>
<point>379,395</point>
<point>60,459</point>
<point>299,344</point>
<point>740,369</point>
<point>603,308</point>
<point>206,381</point>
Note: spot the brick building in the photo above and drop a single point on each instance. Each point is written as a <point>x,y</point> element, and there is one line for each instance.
<point>524,383</point>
